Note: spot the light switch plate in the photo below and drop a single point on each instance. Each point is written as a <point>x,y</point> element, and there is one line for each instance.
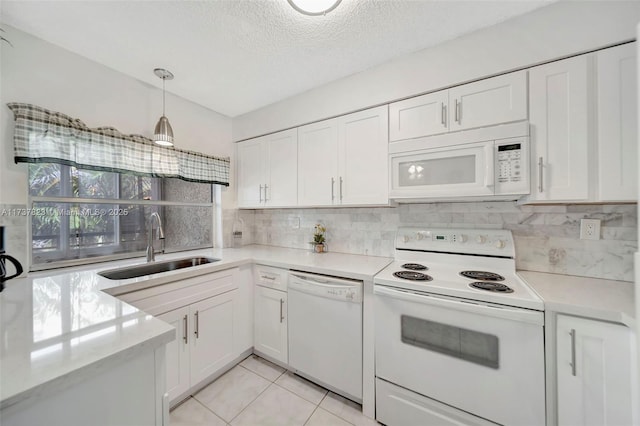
<point>589,229</point>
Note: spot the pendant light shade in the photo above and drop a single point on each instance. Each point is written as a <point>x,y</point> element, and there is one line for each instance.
<point>314,7</point>
<point>163,134</point>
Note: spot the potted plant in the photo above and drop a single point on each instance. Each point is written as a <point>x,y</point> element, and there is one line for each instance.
<point>318,238</point>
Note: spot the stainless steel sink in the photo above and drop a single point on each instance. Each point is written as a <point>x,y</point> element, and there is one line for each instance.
<point>155,268</point>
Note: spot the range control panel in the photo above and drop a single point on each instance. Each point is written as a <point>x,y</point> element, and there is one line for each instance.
<point>493,242</point>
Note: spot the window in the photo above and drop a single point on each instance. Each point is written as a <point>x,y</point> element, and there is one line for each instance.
<point>78,214</point>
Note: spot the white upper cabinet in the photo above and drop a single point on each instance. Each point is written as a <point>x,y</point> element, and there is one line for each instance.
<point>250,171</point>
<point>617,123</point>
<point>424,115</point>
<point>363,147</point>
<point>559,117</point>
<point>496,100</point>
<point>318,163</point>
<point>282,169</point>
<point>595,379</point>
<point>267,170</point>
<point>488,102</point>
<point>343,161</point>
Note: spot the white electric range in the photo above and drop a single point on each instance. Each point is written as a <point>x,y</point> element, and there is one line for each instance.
<point>459,336</point>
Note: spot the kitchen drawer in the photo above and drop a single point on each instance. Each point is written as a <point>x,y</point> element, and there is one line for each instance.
<point>268,276</point>
<point>400,407</point>
<point>167,297</point>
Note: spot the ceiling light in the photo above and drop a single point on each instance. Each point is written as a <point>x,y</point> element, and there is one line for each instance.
<point>163,135</point>
<point>314,7</point>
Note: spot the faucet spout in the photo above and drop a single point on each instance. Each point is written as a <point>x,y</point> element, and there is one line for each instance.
<point>151,254</point>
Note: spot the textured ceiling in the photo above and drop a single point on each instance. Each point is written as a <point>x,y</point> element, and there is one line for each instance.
<point>234,56</point>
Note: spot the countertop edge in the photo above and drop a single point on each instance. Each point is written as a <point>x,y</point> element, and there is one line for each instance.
<point>72,377</point>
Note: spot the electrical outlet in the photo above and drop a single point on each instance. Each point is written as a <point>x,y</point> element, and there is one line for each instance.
<point>590,229</point>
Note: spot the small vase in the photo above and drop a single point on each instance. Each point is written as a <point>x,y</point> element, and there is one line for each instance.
<point>318,248</point>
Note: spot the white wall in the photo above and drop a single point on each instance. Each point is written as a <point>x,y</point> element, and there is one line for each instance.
<point>558,30</point>
<point>37,72</point>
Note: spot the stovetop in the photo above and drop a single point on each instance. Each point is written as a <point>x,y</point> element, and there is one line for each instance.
<point>446,253</point>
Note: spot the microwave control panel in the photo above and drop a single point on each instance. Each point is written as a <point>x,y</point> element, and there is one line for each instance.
<point>512,166</point>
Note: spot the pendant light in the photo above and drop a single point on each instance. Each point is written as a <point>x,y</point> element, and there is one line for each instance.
<point>314,7</point>
<point>163,135</point>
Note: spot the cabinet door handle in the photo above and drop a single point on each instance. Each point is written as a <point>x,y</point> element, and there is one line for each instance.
<point>333,181</point>
<point>260,193</point>
<point>265,192</point>
<point>281,310</point>
<point>540,174</point>
<point>186,330</point>
<point>458,111</point>
<point>197,325</point>
<point>340,188</point>
<point>573,351</point>
<point>443,114</point>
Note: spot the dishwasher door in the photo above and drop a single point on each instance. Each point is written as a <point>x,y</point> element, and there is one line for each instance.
<point>325,331</point>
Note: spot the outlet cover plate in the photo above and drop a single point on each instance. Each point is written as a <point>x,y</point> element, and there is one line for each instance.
<point>590,229</point>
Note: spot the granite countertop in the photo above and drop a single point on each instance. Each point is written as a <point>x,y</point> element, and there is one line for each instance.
<point>60,325</point>
<point>601,299</point>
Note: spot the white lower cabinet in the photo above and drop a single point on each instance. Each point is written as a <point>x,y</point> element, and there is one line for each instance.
<point>595,379</point>
<point>270,329</point>
<point>212,338</point>
<point>207,313</point>
<point>177,356</point>
<point>270,313</point>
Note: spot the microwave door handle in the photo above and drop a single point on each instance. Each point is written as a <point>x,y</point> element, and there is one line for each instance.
<point>489,178</point>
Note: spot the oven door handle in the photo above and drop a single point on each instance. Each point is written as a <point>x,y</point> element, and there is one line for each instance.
<point>471,306</point>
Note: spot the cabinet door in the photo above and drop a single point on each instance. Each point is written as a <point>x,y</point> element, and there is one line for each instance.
<point>282,169</point>
<point>251,166</point>
<point>496,100</point>
<point>617,124</point>
<point>559,96</point>
<point>363,149</point>
<point>318,163</point>
<point>270,326</point>
<point>212,335</point>
<point>177,361</point>
<point>420,116</point>
<point>594,362</point>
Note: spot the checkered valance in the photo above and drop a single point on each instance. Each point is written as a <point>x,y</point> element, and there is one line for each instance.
<point>43,136</point>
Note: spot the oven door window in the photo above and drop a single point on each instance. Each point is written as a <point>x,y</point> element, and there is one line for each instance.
<point>469,345</point>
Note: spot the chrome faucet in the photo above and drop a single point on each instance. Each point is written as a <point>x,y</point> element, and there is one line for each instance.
<point>151,254</point>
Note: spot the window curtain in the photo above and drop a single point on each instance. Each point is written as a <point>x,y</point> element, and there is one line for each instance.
<point>43,136</point>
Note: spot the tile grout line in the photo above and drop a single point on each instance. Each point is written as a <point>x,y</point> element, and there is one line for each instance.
<point>254,399</point>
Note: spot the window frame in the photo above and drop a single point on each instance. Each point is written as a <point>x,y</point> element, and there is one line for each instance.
<point>101,254</point>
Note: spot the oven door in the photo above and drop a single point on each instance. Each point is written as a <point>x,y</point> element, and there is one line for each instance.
<point>484,359</point>
<point>462,170</point>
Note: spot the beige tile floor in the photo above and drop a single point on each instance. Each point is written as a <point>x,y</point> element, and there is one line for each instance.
<point>259,393</point>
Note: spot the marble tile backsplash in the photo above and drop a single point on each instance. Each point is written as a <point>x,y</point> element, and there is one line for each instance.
<point>547,237</point>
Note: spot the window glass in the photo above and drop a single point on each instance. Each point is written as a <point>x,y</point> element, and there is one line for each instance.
<point>71,230</point>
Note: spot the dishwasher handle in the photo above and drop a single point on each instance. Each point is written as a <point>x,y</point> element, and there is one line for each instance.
<point>348,291</point>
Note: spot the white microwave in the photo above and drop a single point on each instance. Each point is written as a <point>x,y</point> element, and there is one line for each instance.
<point>449,167</point>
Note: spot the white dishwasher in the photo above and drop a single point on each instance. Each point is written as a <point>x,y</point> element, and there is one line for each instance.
<point>325,331</point>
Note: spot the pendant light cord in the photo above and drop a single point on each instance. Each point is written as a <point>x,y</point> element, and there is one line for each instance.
<point>163,80</point>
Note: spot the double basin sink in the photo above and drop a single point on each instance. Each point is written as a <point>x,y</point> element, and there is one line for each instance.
<point>155,268</point>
